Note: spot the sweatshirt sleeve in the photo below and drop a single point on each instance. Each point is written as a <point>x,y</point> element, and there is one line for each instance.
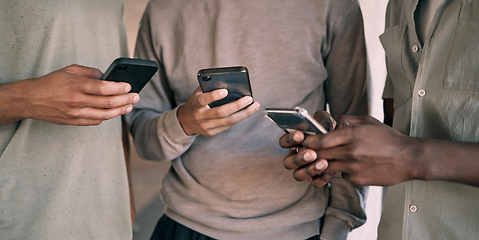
<point>346,93</point>
<point>346,209</point>
<point>153,123</point>
<point>347,84</point>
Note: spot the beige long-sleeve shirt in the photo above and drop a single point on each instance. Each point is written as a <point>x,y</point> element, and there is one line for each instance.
<point>59,181</point>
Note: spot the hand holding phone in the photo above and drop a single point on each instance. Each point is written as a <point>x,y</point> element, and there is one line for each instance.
<point>196,117</point>
<point>136,72</point>
<point>234,79</point>
<point>294,119</point>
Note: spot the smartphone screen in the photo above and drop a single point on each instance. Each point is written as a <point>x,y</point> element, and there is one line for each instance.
<point>234,79</point>
<point>294,119</point>
<point>136,72</point>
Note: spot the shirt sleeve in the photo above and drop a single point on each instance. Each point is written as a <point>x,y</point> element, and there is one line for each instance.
<point>388,86</point>
<point>388,89</point>
<point>347,84</point>
<point>346,93</point>
<point>153,123</point>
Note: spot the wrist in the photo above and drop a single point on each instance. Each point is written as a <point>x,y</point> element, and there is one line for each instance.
<point>182,115</point>
<point>14,104</point>
<point>417,160</point>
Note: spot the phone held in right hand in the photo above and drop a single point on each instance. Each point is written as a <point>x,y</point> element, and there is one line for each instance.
<point>136,72</point>
<point>294,119</point>
<point>234,79</point>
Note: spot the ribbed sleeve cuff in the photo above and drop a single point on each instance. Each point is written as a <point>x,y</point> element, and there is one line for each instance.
<point>171,126</point>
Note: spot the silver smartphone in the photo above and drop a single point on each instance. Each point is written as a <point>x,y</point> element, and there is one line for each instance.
<point>234,79</point>
<point>294,119</point>
<point>136,72</point>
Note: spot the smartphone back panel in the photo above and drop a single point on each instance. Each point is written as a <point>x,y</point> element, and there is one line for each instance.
<point>234,79</point>
<point>136,72</point>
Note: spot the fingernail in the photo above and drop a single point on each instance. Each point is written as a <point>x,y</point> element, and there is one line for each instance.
<point>127,88</point>
<point>308,157</point>
<point>136,99</point>
<point>223,92</point>
<point>296,137</point>
<point>128,109</point>
<point>248,99</point>
<point>256,106</point>
<point>320,165</point>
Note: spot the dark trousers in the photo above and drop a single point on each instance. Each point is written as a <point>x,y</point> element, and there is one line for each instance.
<point>169,229</point>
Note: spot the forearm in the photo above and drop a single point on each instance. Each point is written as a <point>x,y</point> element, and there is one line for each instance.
<point>445,160</point>
<point>13,104</point>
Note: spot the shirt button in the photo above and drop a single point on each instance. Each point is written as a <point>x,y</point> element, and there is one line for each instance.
<point>415,48</point>
<point>413,208</point>
<point>421,93</point>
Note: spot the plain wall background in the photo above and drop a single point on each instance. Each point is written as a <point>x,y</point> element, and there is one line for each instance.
<point>146,175</point>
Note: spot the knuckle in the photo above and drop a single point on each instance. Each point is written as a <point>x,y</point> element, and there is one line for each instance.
<point>346,176</point>
<point>71,83</point>
<point>209,133</point>
<point>73,67</point>
<point>318,143</point>
<point>230,121</point>
<point>197,117</point>
<point>109,102</point>
<point>101,88</point>
<point>357,180</point>
<point>75,102</point>
<point>221,112</point>
<point>356,152</point>
<point>109,115</point>
<point>97,72</point>
<point>96,122</point>
<point>351,132</point>
<point>351,151</point>
<point>343,118</point>
<point>73,114</point>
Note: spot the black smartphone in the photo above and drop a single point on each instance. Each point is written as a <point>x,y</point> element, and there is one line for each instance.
<point>294,119</point>
<point>136,72</point>
<point>234,79</point>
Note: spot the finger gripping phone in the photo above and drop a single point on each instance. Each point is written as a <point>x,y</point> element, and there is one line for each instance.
<point>136,72</point>
<point>294,119</point>
<point>234,79</point>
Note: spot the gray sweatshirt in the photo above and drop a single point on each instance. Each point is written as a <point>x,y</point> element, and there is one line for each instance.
<point>233,185</point>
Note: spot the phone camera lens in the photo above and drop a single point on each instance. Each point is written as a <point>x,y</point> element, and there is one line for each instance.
<point>122,67</point>
<point>206,78</point>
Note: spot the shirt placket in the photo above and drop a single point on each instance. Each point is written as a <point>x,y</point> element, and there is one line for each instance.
<point>412,205</point>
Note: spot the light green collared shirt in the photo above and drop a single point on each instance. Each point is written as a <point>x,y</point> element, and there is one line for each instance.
<point>435,88</point>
